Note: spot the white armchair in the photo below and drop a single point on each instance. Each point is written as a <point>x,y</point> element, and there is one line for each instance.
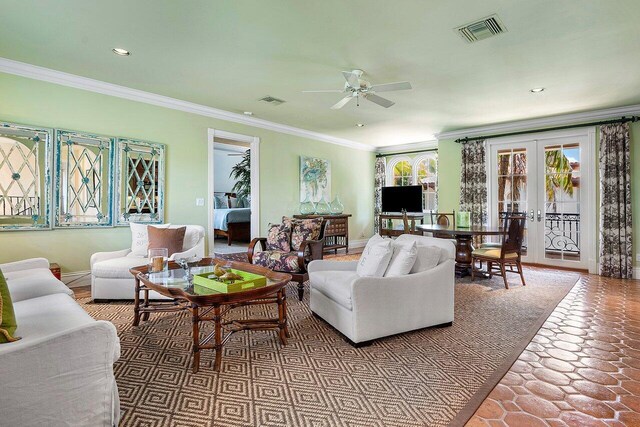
<point>367,308</point>
<point>110,276</point>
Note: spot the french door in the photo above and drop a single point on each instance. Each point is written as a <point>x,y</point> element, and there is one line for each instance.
<point>543,179</point>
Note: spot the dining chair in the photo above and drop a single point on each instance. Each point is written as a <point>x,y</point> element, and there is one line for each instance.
<point>447,219</point>
<point>409,227</point>
<point>507,255</point>
<point>502,221</point>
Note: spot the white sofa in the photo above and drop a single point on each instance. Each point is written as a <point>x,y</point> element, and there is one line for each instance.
<point>110,276</point>
<point>61,371</point>
<point>367,308</point>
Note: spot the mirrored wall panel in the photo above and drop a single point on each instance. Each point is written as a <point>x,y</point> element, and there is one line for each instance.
<point>140,185</point>
<point>25,177</point>
<point>83,179</point>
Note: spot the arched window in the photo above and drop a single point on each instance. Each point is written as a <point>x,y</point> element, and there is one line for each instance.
<point>426,173</point>
<point>402,173</point>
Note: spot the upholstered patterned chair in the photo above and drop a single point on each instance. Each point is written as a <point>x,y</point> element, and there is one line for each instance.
<point>289,247</point>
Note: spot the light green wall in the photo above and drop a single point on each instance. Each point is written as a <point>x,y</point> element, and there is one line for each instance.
<point>449,179</point>
<point>44,104</point>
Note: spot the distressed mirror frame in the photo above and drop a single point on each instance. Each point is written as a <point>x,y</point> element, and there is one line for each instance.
<point>83,189</point>
<point>40,152</point>
<point>140,163</point>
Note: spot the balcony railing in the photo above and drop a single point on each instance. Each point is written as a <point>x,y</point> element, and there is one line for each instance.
<point>561,232</point>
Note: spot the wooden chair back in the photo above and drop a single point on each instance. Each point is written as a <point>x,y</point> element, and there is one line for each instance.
<point>408,229</point>
<point>514,235</point>
<point>446,219</point>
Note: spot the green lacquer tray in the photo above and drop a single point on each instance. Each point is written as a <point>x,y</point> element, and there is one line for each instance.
<point>251,281</point>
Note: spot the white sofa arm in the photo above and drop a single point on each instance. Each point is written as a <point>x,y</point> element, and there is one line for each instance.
<point>64,376</point>
<point>197,251</point>
<point>26,264</point>
<point>322,265</point>
<point>103,256</point>
<point>412,295</point>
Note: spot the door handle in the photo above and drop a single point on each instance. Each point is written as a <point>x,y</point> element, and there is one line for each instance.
<point>539,215</point>
<point>531,215</point>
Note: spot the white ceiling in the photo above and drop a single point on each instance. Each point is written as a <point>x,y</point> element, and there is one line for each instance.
<point>228,54</point>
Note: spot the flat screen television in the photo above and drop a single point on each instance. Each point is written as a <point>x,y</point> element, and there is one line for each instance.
<point>397,199</point>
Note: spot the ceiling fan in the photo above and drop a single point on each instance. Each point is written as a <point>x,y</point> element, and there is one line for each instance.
<point>356,87</point>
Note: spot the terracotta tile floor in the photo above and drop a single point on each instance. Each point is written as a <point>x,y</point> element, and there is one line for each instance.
<point>581,369</point>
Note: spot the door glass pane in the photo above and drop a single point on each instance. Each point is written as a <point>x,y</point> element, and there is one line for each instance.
<point>562,202</point>
<point>512,185</point>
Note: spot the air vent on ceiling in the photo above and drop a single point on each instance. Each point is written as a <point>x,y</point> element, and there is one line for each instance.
<point>271,100</point>
<point>482,29</point>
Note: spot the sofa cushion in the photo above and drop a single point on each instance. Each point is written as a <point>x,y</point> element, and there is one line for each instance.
<point>278,261</point>
<point>403,258</point>
<point>140,237</point>
<point>335,285</point>
<point>48,315</point>
<point>192,236</point>
<point>35,283</point>
<point>375,257</point>
<point>7,315</point>
<point>170,238</point>
<point>279,237</point>
<point>428,257</point>
<point>117,268</point>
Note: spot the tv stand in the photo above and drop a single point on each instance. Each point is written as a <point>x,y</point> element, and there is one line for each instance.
<point>392,232</point>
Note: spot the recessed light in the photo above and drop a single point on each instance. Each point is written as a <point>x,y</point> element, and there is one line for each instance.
<point>248,113</point>
<point>537,90</point>
<point>120,51</point>
<point>360,125</point>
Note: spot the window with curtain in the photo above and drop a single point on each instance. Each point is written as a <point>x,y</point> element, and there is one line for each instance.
<point>402,174</point>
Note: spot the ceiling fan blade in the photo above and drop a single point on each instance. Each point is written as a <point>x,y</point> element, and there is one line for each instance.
<point>388,87</point>
<point>379,100</point>
<point>324,91</point>
<point>351,78</point>
<point>342,102</point>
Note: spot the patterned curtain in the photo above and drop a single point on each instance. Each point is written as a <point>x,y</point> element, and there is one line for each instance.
<point>380,178</point>
<point>473,182</point>
<point>615,204</point>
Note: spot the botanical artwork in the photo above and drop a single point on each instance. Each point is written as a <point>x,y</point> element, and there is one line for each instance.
<point>315,179</point>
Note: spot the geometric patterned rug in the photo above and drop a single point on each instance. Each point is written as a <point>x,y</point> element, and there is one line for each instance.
<point>418,378</point>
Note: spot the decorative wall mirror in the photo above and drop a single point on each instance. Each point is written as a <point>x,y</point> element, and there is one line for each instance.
<point>83,179</point>
<point>140,185</point>
<point>25,177</point>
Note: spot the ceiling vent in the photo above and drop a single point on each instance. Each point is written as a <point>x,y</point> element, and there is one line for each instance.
<point>271,100</point>
<point>482,29</point>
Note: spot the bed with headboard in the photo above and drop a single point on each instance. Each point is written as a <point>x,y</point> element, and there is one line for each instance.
<point>231,217</point>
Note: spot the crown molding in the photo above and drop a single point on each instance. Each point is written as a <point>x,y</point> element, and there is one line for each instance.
<point>563,119</point>
<point>23,69</point>
<point>412,146</point>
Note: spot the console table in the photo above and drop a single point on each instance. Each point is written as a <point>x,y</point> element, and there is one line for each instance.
<point>336,235</point>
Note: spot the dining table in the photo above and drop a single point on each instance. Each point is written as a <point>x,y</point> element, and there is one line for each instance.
<point>464,241</point>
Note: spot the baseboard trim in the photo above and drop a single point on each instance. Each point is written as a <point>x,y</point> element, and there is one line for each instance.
<point>76,279</point>
<point>636,272</point>
<point>355,244</point>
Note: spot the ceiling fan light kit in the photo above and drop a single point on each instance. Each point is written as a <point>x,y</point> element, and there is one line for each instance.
<point>356,87</point>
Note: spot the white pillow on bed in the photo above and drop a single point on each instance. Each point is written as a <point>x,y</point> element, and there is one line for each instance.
<point>233,203</point>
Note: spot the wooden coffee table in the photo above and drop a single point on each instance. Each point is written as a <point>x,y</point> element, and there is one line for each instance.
<point>207,305</point>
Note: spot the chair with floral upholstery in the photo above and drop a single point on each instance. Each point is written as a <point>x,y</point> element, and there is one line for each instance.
<point>289,247</point>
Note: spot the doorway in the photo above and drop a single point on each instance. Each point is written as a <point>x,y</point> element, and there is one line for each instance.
<point>233,215</point>
<point>551,180</point>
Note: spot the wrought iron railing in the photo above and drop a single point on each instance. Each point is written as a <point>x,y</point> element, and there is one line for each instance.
<point>561,231</point>
<point>18,205</point>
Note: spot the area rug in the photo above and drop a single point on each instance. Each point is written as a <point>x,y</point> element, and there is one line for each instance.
<point>421,378</point>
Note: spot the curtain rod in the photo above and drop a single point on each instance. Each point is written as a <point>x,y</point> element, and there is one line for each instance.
<point>623,119</point>
<point>405,152</point>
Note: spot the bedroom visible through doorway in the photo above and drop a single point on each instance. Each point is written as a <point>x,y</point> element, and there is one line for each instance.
<point>231,213</point>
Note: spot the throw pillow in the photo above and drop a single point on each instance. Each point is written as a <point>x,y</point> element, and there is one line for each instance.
<point>233,203</point>
<point>428,257</point>
<point>279,237</point>
<point>170,238</point>
<point>402,260</point>
<point>304,229</point>
<point>8,323</point>
<point>220,201</point>
<point>140,237</point>
<point>375,257</point>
